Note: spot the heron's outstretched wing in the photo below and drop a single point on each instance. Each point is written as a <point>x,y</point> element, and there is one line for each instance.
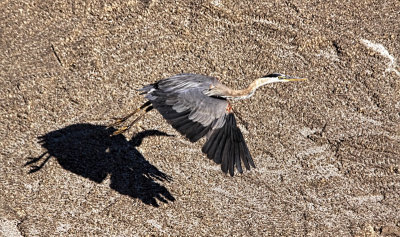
<point>181,101</point>
<point>190,112</point>
<point>226,146</point>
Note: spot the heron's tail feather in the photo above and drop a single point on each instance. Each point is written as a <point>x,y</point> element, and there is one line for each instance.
<point>147,89</point>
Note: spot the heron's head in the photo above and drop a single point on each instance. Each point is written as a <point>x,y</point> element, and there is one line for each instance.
<point>278,77</point>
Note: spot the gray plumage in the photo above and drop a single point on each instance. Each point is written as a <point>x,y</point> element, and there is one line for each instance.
<point>182,101</point>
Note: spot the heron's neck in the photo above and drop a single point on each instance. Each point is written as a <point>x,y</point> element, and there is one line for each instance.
<point>248,92</point>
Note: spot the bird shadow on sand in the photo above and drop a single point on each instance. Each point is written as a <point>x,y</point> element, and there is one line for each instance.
<point>89,151</point>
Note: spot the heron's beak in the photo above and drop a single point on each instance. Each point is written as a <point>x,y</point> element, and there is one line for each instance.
<point>296,79</point>
<point>289,78</point>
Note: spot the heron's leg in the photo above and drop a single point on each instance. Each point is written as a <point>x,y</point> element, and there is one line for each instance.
<point>123,119</point>
<point>125,128</point>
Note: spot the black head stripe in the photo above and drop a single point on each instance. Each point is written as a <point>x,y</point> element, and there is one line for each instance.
<point>273,75</point>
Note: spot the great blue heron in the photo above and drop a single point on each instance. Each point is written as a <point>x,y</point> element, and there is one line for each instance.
<point>197,106</point>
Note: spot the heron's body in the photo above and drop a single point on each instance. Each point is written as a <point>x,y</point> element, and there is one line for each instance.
<point>197,106</point>
<point>183,102</point>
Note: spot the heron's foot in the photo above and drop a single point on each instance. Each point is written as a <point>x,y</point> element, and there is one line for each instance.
<point>122,120</point>
<point>118,121</point>
<point>126,128</point>
<point>120,130</point>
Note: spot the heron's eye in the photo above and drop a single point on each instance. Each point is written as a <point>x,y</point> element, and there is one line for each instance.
<point>281,77</point>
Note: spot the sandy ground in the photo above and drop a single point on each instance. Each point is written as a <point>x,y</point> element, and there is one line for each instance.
<point>327,150</point>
